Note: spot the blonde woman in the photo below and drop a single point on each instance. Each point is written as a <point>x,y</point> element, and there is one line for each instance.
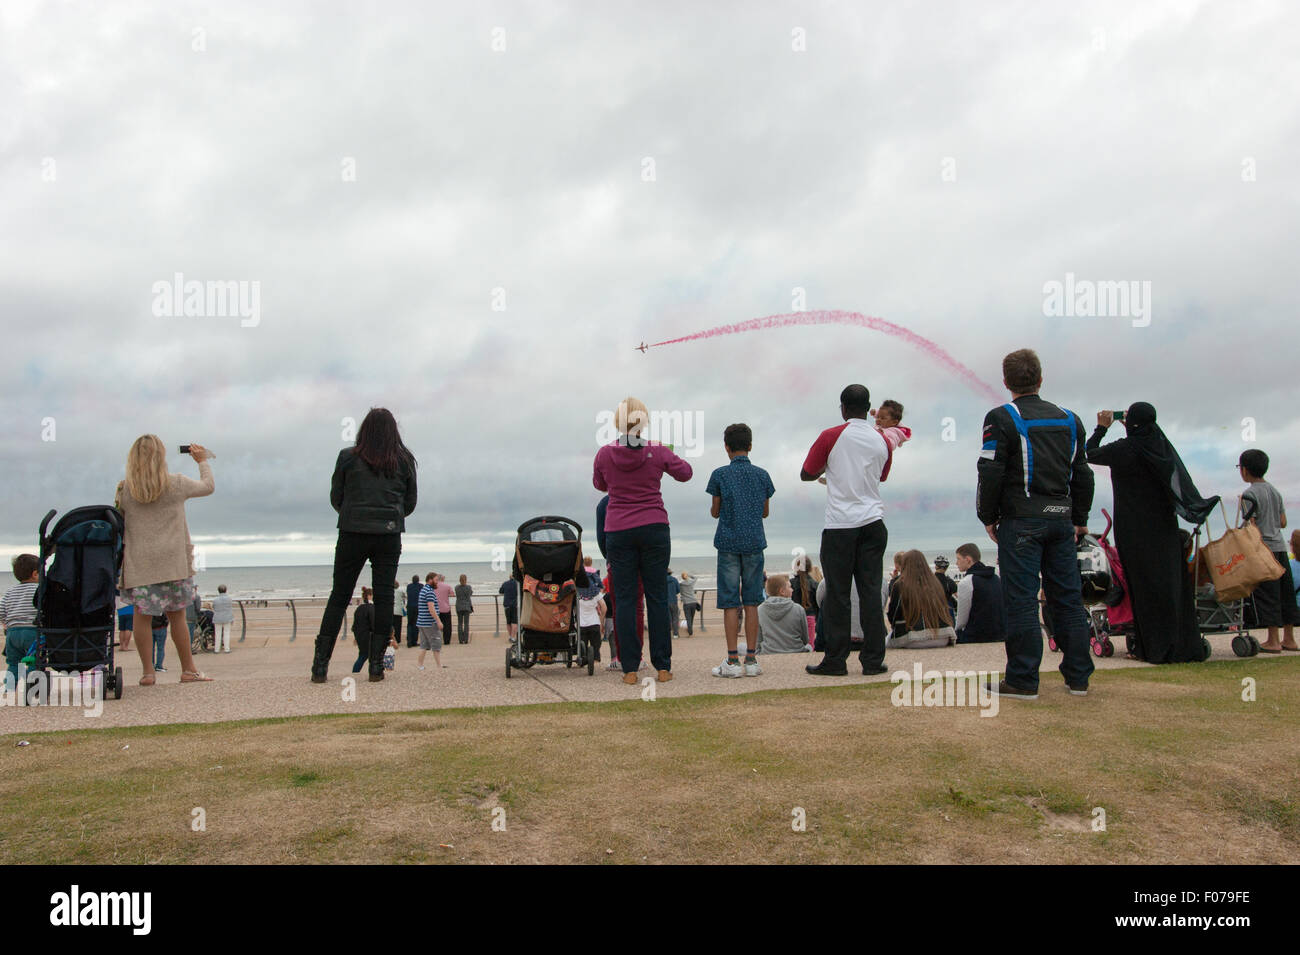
<point>638,543</point>
<point>158,555</point>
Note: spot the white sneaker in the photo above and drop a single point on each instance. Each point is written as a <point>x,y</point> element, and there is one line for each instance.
<point>753,669</point>
<point>728,669</point>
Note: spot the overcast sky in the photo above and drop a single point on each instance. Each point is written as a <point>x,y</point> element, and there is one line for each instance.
<point>380,169</point>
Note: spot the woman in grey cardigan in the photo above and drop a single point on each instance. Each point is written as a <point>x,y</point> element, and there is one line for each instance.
<point>690,602</point>
<point>464,607</point>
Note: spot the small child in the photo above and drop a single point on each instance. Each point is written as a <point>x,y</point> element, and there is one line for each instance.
<point>390,654</point>
<point>591,612</point>
<point>1275,604</point>
<point>782,623</point>
<point>18,611</point>
<point>889,423</point>
<point>741,500</point>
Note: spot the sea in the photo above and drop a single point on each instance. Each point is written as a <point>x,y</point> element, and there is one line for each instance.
<point>314,580</point>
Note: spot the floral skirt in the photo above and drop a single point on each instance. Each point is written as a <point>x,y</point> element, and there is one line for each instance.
<point>154,599</point>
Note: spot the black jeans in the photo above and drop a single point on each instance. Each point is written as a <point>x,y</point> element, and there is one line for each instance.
<point>350,555</point>
<point>641,552</point>
<point>689,610</point>
<point>1030,548</point>
<point>412,637</point>
<point>854,555</point>
<point>462,625</point>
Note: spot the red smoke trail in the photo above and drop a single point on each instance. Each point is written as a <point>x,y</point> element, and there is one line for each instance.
<point>848,318</point>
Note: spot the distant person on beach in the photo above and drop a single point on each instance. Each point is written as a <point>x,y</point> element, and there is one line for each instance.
<point>690,603</point>
<point>637,536</point>
<point>1033,496</point>
<point>125,623</point>
<point>854,457</point>
<point>1261,504</point>
<point>223,617</point>
<point>429,622</point>
<point>158,555</point>
<point>947,583</point>
<point>742,495</point>
<point>1152,489</point>
<point>464,607</point>
<point>192,611</point>
<point>782,624</point>
<point>374,491</point>
<point>412,609</point>
<point>363,628</point>
<point>674,615</point>
<point>981,616</point>
<point>918,608</point>
<point>509,592</point>
<point>399,610</point>
<point>444,608</point>
<point>159,624</point>
<point>18,611</point>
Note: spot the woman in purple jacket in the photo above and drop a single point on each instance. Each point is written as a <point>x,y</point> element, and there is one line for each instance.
<point>636,532</point>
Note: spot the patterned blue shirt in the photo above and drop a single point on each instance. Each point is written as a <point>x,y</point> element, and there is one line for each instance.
<point>743,489</point>
<point>428,595</point>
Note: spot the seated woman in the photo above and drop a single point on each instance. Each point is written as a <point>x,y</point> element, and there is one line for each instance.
<point>918,607</point>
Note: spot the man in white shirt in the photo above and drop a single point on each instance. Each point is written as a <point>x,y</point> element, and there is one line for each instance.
<point>855,459</point>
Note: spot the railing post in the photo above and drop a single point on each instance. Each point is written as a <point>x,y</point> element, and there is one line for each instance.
<point>293,635</point>
<point>243,621</point>
<point>496,612</point>
<point>703,594</point>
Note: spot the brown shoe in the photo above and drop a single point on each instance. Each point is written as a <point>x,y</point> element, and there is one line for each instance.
<point>376,678</point>
<point>630,679</point>
<point>665,676</point>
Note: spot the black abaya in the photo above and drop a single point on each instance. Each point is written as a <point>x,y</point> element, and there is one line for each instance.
<point>1151,551</point>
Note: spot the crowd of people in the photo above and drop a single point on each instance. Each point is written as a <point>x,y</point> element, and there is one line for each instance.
<point>1034,493</point>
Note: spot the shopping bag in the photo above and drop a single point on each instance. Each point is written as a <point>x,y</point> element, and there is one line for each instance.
<point>1237,562</point>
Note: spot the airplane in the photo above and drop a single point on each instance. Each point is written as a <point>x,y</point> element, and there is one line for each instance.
<point>641,348</point>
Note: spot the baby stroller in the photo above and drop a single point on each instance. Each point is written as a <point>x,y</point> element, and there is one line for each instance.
<point>75,613</point>
<point>1104,590</point>
<point>548,570</point>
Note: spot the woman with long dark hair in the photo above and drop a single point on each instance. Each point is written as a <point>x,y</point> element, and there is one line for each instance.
<point>918,607</point>
<point>1152,490</point>
<point>373,490</point>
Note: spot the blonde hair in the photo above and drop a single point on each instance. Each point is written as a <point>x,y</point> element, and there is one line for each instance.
<point>146,469</point>
<point>776,583</point>
<point>631,416</point>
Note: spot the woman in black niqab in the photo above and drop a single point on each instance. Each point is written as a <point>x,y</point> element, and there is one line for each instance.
<point>1152,489</point>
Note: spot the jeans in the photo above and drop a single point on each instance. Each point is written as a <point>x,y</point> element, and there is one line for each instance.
<point>363,653</point>
<point>854,555</point>
<point>689,610</point>
<point>1027,548</point>
<point>159,646</point>
<point>410,629</point>
<point>18,641</point>
<point>462,625</point>
<point>641,554</point>
<point>350,555</point>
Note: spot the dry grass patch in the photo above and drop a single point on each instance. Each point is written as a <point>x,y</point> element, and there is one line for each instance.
<point>1185,771</point>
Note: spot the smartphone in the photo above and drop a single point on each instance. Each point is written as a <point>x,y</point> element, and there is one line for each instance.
<point>1117,415</point>
<point>185,449</point>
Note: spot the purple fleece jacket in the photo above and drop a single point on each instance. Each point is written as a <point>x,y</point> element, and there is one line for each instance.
<point>631,476</point>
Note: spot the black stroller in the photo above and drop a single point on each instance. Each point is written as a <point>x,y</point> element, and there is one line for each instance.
<point>75,612</point>
<point>548,571</point>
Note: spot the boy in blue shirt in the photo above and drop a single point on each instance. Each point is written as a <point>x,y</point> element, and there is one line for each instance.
<point>741,493</point>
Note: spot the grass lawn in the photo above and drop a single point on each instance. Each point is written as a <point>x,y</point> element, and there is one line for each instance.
<point>1184,769</point>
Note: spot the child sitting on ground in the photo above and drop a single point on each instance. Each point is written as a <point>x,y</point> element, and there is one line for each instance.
<point>782,623</point>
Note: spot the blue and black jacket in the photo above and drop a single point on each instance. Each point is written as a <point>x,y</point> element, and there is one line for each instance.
<point>1033,464</point>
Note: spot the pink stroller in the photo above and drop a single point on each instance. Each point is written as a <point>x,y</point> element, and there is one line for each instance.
<point>1105,592</point>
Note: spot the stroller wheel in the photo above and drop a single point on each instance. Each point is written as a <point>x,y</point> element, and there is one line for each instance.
<point>1098,649</point>
<point>1107,647</point>
<point>1241,646</point>
<point>1206,649</point>
<point>1254,644</point>
<point>507,663</point>
<point>117,683</point>
<point>1051,644</point>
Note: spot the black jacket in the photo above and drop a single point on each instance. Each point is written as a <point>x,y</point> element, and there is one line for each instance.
<point>987,621</point>
<point>368,502</point>
<point>363,623</point>
<point>1033,464</point>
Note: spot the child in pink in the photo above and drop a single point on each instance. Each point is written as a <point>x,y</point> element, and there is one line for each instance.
<point>889,423</point>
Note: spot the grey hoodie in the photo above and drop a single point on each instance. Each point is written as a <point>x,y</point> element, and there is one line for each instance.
<point>782,626</point>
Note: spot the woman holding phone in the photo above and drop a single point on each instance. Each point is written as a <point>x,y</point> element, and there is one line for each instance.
<point>158,555</point>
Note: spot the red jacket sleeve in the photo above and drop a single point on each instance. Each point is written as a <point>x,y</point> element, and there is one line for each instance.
<point>815,463</point>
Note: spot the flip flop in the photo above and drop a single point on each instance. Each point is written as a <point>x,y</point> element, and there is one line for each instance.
<point>148,680</point>
<point>194,676</point>
<point>1269,650</point>
<point>1291,649</point>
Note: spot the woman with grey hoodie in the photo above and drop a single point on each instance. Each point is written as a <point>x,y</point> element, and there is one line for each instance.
<point>782,623</point>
